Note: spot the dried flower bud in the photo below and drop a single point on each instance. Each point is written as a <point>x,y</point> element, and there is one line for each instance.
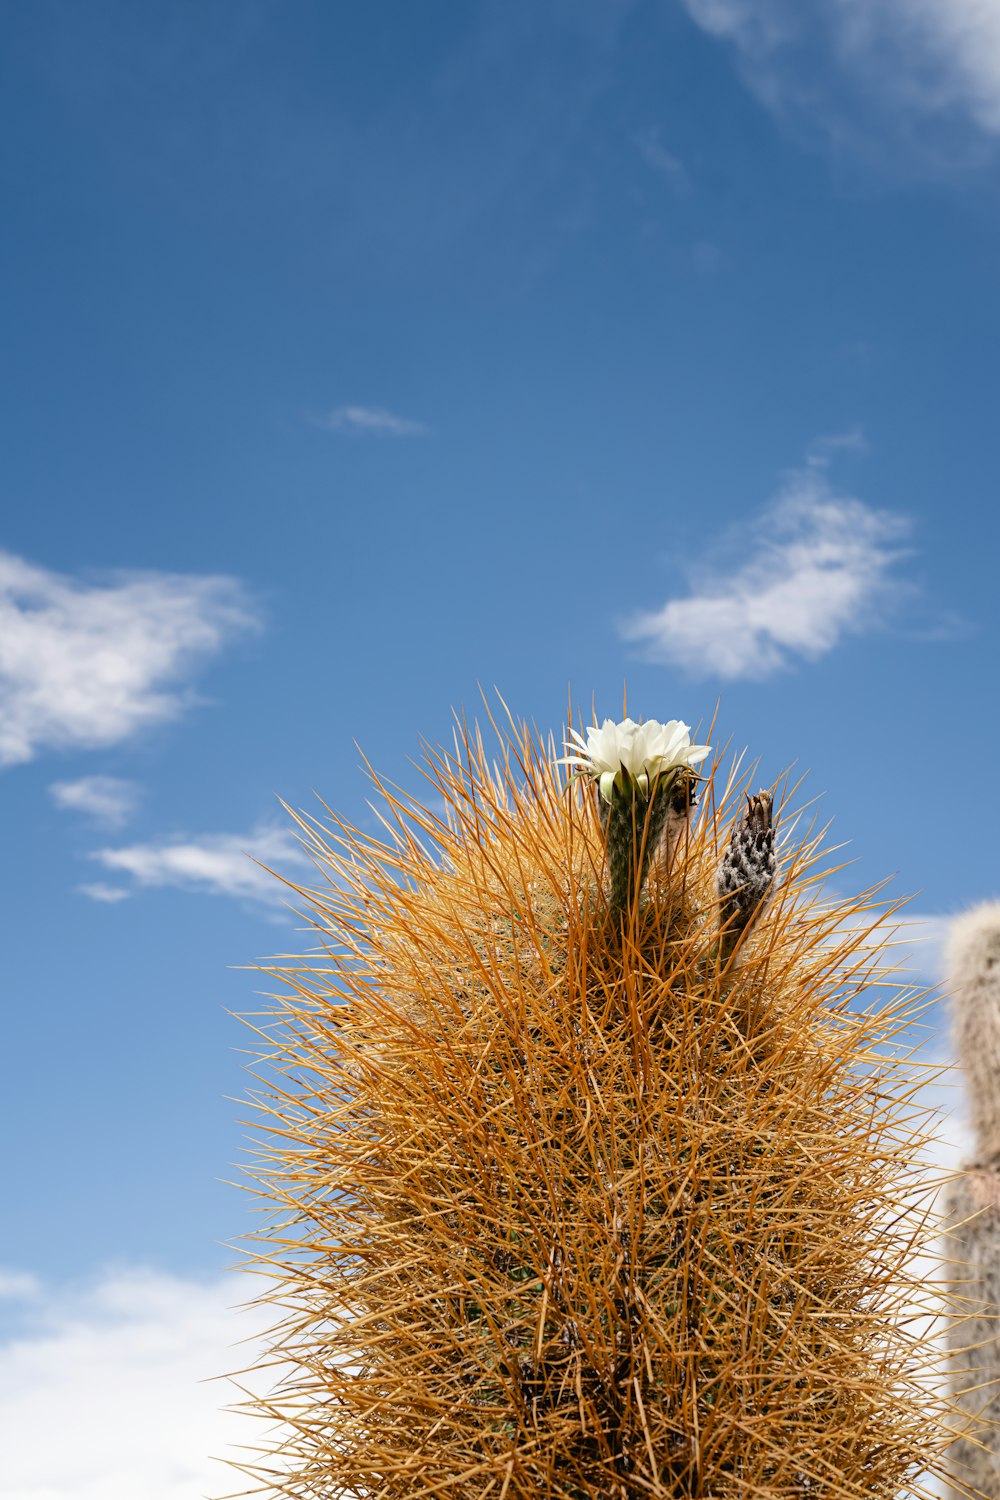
<point>746,873</point>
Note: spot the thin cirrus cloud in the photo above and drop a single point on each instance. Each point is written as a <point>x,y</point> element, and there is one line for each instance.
<point>18,1286</point>
<point>126,1370</point>
<point>370,421</point>
<point>221,864</point>
<point>87,664</point>
<point>821,566</point>
<point>107,895</point>
<point>934,64</point>
<point>105,799</point>
<point>663,161</point>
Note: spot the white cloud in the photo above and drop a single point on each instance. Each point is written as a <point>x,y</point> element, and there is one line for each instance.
<point>113,1391</point>
<point>919,942</point>
<point>108,799</point>
<point>89,664</point>
<point>818,567</point>
<point>219,864</point>
<point>374,421</point>
<point>932,61</point>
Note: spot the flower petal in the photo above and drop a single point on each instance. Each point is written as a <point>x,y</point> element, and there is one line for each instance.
<point>611,752</point>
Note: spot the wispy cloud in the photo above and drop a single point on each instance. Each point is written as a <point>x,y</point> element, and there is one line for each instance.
<point>706,258</point>
<point>371,421</point>
<point>106,799</point>
<point>108,895</point>
<point>89,664</point>
<point>757,26</point>
<point>221,864</point>
<point>125,1371</point>
<point>663,161</point>
<point>18,1286</point>
<point>824,450</point>
<point>820,565</point>
<point>928,63</point>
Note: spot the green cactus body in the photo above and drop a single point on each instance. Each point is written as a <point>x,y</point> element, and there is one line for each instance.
<point>633,826</point>
<point>570,1207</point>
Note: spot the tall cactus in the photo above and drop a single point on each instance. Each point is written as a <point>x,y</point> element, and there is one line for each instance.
<point>973,1199</point>
<point>589,1181</point>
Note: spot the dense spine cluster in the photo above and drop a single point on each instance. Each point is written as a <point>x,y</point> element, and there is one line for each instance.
<point>575,1201</point>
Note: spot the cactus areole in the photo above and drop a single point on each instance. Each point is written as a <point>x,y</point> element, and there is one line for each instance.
<point>591,1163</point>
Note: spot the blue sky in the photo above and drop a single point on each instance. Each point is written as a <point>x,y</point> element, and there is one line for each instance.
<point>358,356</point>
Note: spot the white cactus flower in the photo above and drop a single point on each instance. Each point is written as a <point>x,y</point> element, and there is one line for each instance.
<point>641,752</point>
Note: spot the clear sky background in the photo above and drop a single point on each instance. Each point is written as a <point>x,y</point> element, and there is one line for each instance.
<point>355,356</point>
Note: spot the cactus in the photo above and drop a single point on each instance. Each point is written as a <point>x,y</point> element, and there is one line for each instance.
<point>588,1180</point>
<point>972,1201</point>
